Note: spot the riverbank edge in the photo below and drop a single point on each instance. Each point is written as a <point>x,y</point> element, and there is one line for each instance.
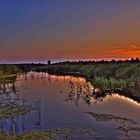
<point>123,90</point>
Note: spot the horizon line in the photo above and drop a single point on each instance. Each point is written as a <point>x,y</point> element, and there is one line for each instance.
<point>65,60</point>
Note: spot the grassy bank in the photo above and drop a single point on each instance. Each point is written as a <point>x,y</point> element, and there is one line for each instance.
<point>104,75</point>
<point>8,73</point>
<point>123,76</point>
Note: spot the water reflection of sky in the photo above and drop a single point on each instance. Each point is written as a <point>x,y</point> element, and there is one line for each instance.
<point>64,101</point>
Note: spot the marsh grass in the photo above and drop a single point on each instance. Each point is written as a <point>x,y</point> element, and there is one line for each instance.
<point>53,134</point>
<point>110,83</point>
<point>125,77</point>
<point>113,75</point>
<point>11,110</point>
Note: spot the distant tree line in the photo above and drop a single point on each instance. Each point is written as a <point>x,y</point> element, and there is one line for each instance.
<point>132,60</point>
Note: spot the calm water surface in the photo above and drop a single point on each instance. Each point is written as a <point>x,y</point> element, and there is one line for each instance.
<point>63,102</point>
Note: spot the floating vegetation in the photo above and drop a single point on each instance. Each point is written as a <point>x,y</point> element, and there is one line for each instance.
<point>110,117</point>
<point>131,132</point>
<point>53,134</point>
<point>130,128</point>
<point>11,107</point>
<point>80,132</point>
<point>12,110</point>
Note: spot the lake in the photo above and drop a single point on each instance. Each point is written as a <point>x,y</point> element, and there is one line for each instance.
<point>66,101</point>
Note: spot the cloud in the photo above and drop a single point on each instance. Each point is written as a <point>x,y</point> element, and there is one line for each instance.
<point>134,46</point>
<point>131,51</point>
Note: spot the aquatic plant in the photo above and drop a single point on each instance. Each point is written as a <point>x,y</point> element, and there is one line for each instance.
<point>130,128</point>
<point>53,134</point>
<point>12,110</point>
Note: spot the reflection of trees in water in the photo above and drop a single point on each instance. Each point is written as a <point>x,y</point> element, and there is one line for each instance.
<point>84,91</point>
<point>11,101</point>
<point>78,87</point>
<point>44,78</point>
<point>13,127</point>
<point>7,88</point>
<point>32,76</point>
<point>37,106</point>
<point>81,90</point>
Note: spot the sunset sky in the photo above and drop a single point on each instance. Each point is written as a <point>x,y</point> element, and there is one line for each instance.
<point>37,30</point>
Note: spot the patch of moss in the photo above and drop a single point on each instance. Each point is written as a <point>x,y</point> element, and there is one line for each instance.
<point>130,128</point>
<point>53,134</point>
<point>12,110</point>
<point>110,117</point>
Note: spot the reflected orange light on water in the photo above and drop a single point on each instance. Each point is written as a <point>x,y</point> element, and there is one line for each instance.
<point>77,82</point>
<point>125,99</point>
<point>69,78</point>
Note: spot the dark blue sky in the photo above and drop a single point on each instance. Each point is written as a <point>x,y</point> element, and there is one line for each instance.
<point>37,30</point>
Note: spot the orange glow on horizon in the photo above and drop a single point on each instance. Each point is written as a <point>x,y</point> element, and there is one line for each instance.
<point>131,51</point>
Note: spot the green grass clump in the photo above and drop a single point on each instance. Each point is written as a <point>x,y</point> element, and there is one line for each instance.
<point>12,110</point>
<point>106,75</point>
<point>52,134</point>
<point>111,83</point>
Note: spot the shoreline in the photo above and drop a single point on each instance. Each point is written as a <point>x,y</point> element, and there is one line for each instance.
<point>107,85</point>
